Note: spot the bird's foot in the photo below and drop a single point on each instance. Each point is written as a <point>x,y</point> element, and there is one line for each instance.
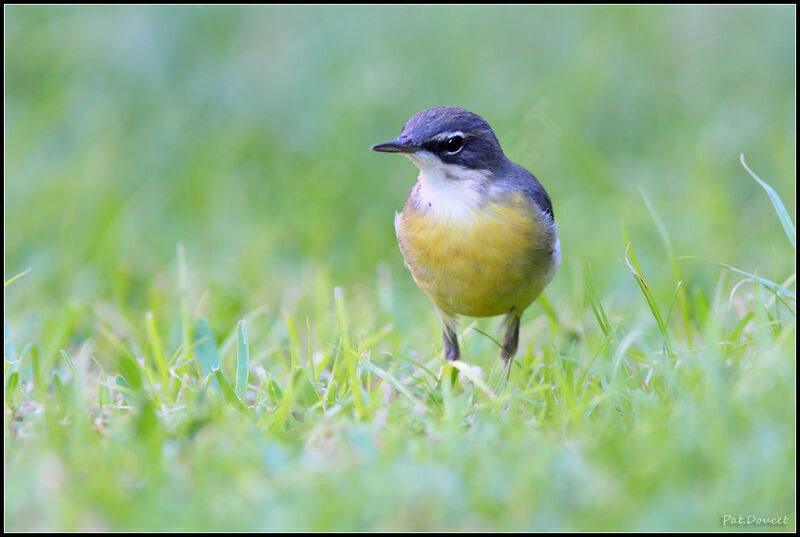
<point>510,339</point>
<point>451,351</point>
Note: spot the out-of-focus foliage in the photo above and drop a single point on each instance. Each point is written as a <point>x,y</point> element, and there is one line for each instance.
<point>243,134</point>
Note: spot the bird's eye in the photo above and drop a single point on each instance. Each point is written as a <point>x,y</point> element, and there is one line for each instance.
<point>454,144</point>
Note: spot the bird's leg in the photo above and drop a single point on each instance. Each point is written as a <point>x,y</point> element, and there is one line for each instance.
<point>450,338</point>
<point>511,337</point>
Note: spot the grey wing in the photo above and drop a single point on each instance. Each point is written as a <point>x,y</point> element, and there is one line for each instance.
<point>534,189</point>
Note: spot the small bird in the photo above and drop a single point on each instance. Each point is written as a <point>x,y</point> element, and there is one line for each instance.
<point>477,231</point>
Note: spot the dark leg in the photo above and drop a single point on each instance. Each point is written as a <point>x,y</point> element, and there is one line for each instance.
<point>450,338</point>
<point>511,338</point>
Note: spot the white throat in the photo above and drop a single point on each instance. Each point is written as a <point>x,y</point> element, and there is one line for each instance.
<point>448,191</point>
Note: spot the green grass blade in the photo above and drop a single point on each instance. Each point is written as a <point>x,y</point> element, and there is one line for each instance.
<point>305,394</point>
<point>277,420</point>
<point>783,214</point>
<point>390,379</point>
<point>198,397</point>
<point>130,371</point>
<point>59,390</point>
<point>349,355</point>
<point>772,286</point>
<point>228,393</point>
<point>11,385</point>
<point>206,348</point>
<point>17,277</point>
<point>290,328</point>
<point>312,367</point>
<point>242,359</point>
<point>651,302</point>
<point>69,362</point>
<point>468,372</point>
<point>183,291</point>
<point>274,392</point>
<point>158,351</point>
<point>488,336</point>
<point>773,297</point>
<point>681,295</point>
<point>421,367</point>
<point>597,306</point>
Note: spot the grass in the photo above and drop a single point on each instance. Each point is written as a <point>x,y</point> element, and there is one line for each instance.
<point>609,424</point>
<point>208,325</point>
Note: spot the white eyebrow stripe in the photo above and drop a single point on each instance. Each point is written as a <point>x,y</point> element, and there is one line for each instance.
<point>446,135</point>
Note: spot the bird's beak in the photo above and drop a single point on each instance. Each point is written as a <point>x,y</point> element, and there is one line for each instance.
<point>396,146</point>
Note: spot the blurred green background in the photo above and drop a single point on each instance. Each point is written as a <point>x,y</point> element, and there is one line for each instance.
<point>244,133</point>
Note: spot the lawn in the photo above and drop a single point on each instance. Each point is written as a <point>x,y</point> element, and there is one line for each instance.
<point>209,326</point>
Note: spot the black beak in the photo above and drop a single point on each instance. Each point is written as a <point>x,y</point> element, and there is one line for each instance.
<point>396,146</point>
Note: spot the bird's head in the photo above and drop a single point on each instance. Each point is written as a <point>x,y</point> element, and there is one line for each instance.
<point>448,136</point>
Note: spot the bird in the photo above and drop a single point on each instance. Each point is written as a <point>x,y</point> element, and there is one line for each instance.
<point>477,232</point>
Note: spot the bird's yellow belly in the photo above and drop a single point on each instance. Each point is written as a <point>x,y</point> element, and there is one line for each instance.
<point>499,258</point>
